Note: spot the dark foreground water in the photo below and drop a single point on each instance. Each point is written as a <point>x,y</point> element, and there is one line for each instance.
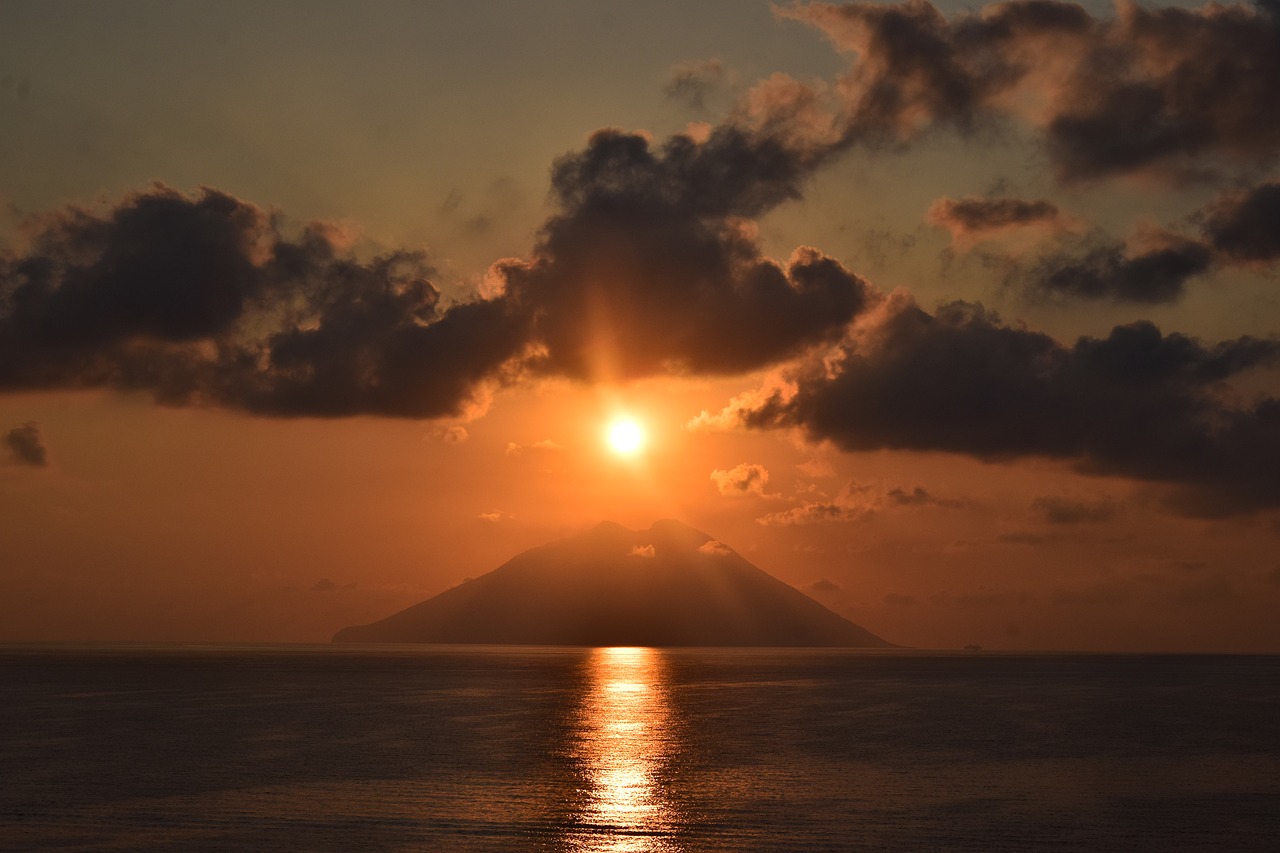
<point>465,749</point>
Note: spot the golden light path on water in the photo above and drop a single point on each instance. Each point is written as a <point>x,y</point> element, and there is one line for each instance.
<point>626,739</point>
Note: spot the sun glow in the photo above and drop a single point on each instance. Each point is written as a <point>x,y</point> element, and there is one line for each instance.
<point>625,436</point>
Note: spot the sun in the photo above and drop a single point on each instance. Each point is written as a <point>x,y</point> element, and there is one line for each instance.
<point>625,436</point>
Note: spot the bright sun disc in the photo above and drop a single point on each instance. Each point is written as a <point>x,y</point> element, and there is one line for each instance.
<point>625,436</point>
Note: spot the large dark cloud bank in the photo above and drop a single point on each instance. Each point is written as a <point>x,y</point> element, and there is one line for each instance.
<point>650,265</point>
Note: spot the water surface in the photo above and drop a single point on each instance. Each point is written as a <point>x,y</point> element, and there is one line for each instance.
<point>234,748</point>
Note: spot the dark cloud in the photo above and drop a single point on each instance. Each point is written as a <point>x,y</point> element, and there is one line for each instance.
<point>915,496</point>
<point>650,268</point>
<point>203,300</point>
<point>1150,88</point>
<point>691,83</point>
<point>1136,403</point>
<point>1238,228</point>
<point>1059,510</point>
<point>1245,227</point>
<point>973,218</point>
<point>25,445</point>
<point>1110,271</point>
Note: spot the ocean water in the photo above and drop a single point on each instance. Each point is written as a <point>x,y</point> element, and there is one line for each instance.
<point>322,748</point>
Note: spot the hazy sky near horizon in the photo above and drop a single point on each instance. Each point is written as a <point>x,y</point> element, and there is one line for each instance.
<point>963,319</point>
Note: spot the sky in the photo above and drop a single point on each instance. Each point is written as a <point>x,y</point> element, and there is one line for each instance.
<point>962,319</point>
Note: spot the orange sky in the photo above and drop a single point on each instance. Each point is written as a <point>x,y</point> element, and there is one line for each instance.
<point>379,351</point>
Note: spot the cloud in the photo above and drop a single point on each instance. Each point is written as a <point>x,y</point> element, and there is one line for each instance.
<point>544,446</point>
<point>1245,226</point>
<point>715,548</point>
<point>454,434</point>
<point>1137,403</point>
<point>915,496</point>
<point>692,83</point>
<point>824,587</point>
<point>857,502</point>
<point>741,480</point>
<point>1155,274</point>
<point>816,512</point>
<point>494,516</point>
<point>656,239</point>
<point>26,446</point>
<point>1154,90</point>
<point>1240,228</point>
<point>1060,510</point>
<point>972,218</point>
<point>644,551</point>
<point>324,585</point>
<point>202,299</point>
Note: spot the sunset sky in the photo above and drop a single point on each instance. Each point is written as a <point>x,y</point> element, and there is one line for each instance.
<point>962,319</point>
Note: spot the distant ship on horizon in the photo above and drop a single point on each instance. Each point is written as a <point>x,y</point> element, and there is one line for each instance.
<point>669,585</point>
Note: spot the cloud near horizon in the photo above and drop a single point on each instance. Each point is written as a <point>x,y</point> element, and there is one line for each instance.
<point>1137,403</point>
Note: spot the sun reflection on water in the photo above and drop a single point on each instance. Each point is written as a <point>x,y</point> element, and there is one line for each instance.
<point>626,740</point>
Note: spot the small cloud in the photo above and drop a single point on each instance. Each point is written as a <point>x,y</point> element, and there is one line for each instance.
<point>741,480</point>
<point>495,516</point>
<point>716,548</point>
<point>1058,510</point>
<point>973,219</point>
<point>544,446</point>
<point>823,586</point>
<point>453,435</point>
<point>691,83</point>
<point>324,585</point>
<point>816,468</point>
<point>857,502</point>
<point>26,447</point>
<point>814,513</point>
<point>645,551</point>
<point>916,496</point>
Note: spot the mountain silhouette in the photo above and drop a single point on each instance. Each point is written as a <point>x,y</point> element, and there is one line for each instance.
<point>669,585</point>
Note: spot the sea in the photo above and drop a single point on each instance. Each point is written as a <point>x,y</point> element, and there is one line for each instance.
<point>452,748</point>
